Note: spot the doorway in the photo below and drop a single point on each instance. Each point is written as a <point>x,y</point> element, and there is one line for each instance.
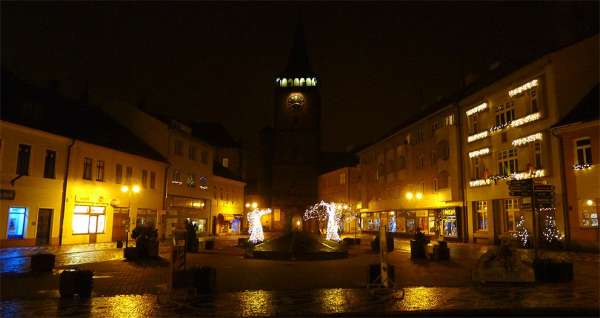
<point>44,226</point>
<point>119,232</point>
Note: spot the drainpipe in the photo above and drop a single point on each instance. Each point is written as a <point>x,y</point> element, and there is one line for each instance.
<point>64,193</point>
<point>563,184</point>
<point>165,195</point>
<point>465,215</point>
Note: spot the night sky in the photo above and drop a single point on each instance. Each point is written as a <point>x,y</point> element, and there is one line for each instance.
<point>217,62</point>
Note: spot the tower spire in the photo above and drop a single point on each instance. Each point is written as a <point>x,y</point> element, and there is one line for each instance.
<point>298,62</point>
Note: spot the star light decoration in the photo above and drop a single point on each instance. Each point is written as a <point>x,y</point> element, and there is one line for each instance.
<point>256,230</point>
<point>330,211</point>
<point>521,233</point>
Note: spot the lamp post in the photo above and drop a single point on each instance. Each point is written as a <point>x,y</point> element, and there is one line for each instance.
<point>125,189</point>
<point>410,196</point>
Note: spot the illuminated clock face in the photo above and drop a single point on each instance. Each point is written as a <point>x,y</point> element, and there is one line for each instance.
<point>295,102</point>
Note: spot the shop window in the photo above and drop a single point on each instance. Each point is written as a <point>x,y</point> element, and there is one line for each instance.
<point>152,179</point>
<point>401,224</point>
<point>146,218</point>
<point>508,162</point>
<point>584,151</point>
<point>87,168</point>
<point>511,209</point>
<point>450,228</point>
<point>17,217</point>
<point>50,164</point>
<point>88,219</point>
<point>588,213</point>
<point>481,217</point>
<point>119,174</point>
<point>23,160</point>
<point>100,170</point>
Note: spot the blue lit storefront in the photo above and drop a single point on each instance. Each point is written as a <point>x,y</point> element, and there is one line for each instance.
<point>404,223</point>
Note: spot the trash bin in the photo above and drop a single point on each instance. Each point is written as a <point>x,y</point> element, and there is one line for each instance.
<point>75,281</point>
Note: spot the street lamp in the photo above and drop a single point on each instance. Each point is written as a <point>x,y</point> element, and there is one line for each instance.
<point>125,189</point>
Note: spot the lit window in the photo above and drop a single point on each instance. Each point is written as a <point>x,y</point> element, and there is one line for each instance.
<point>508,162</point>
<point>16,222</point>
<point>588,213</point>
<point>225,162</point>
<point>511,208</point>
<point>88,219</point>
<point>505,114</point>
<point>191,180</point>
<point>584,151</point>
<point>449,120</point>
<point>481,215</point>
<point>342,178</point>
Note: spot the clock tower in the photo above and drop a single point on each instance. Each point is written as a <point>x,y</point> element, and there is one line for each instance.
<point>296,138</point>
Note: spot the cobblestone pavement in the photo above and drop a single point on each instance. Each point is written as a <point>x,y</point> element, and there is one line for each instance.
<point>545,300</point>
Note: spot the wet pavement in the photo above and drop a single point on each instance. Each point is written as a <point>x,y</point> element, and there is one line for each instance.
<point>546,300</point>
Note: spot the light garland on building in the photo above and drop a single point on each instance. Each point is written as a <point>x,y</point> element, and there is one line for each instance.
<point>582,166</point>
<point>498,128</point>
<point>528,174</point>
<point>478,136</point>
<point>479,153</point>
<point>326,210</point>
<point>525,140</point>
<point>521,232</point>
<point>522,88</point>
<point>255,225</point>
<point>480,182</point>
<point>524,120</point>
<point>550,232</point>
<point>479,108</point>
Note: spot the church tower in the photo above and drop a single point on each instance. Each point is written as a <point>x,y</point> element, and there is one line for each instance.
<point>296,138</point>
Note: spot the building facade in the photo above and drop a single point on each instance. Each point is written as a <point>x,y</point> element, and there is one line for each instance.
<point>506,137</point>
<point>32,168</point>
<point>342,186</point>
<point>411,178</point>
<point>579,134</point>
<point>228,206</point>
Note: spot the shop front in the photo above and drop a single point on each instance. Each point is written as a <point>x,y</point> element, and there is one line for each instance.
<point>182,209</point>
<point>229,224</point>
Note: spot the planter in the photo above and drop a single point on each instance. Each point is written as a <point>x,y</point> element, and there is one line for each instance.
<point>441,252</point>
<point>417,249</point>
<point>42,262</point>
<point>547,270</point>
<point>375,271</point>
<point>209,245</point>
<point>131,253</point>
<point>75,281</point>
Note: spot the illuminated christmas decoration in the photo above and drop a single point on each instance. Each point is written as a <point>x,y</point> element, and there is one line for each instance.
<point>255,225</point>
<point>521,232</point>
<point>478,136</point>
<point>478,153</point>
<point>480,182</point>
<point>523,88</point>
<point>525,140</point>
<point>479,108</point>
<point>524,120</point>
<point>296,82</point>
<point>550,233</point>
<point>498,128</point>
<point>582,166</point>
<point>528,174</point>
<point>324,210</point>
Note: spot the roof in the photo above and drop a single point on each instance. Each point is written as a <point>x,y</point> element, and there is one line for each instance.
<point>221,171</point>
<point>493,74</point>
<point>298,61</point>
<point>588,109</point>
<point>214,133</point>
<point>330,161</point>
<point>48,110</point>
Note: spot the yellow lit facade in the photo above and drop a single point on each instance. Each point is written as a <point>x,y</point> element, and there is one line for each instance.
<point>228,206</point>
<point>342,186</point>
<point>515,128</point>
<point>30,206</point>
<point>410,179</point>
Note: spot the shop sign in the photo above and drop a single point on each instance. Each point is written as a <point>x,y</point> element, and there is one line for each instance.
<point>7,194</point>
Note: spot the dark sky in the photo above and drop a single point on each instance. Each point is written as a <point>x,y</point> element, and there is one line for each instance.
<point>217,62</point>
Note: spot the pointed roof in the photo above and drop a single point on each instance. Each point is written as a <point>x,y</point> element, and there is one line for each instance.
<point>298,61</point>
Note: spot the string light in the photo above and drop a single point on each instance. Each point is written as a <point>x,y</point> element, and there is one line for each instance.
<point>528,174</point>
<point>326,210</point>
<point>550,232</point>
<point>479,108</point>
<point>525,140</point>
<point>524,120</point>
<point>521,233</point>
<point>480,182</point>
<point>255,229</point>
<point>478,153</point>
<point>522,88</point>
<point>478,136</point>
<point>582,166</point>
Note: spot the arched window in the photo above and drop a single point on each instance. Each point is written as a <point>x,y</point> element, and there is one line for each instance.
<point>284,82</point>
<point>296,82</point>
<point>301,82</point>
